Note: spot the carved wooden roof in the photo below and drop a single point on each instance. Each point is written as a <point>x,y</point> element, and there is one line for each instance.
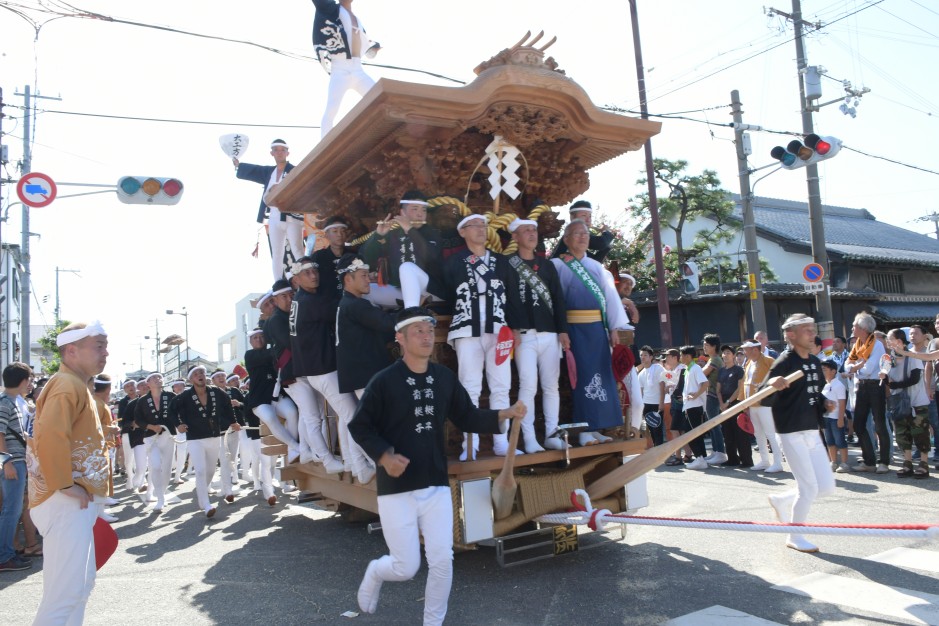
<point>403,136</point>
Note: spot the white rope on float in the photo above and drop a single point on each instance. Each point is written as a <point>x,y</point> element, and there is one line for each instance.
<point>597,518</point>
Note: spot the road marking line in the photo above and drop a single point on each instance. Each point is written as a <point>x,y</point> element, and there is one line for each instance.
<point>718,615</point>
<point>913,606</point>
<point>911,558</point>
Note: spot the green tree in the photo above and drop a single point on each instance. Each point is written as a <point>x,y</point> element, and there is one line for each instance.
<point>47,341</point>
<point>687,198</point>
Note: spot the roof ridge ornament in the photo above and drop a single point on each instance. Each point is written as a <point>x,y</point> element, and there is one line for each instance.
<point>523,53</point>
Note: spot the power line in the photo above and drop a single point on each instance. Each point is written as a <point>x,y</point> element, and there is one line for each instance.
<point>874,156</point>
<point>168,120</point>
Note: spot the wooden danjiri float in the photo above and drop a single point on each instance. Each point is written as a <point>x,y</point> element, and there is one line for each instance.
<point>521,135</point>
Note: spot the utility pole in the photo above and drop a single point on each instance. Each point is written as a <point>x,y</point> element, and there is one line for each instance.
<point>57,309</point>
<point>825,319</point>
<point>757,307</point>
<point>24,247</point>
<point>665,323</point>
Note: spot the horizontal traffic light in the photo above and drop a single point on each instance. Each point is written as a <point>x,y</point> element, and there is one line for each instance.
<point>149,190</point>
<point>798,154</point>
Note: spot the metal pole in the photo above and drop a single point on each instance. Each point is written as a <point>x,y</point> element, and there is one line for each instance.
<point>24,244</point>
<point>186,314</point>
<point>757,306</point>
<point>665,325</point>
<point>825,319</point>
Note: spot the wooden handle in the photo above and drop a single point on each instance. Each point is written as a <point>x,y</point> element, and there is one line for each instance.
<point>655,456</point>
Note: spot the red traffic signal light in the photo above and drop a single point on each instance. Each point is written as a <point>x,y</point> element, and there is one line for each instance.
<point>149,190</point>
<point>798,154</point>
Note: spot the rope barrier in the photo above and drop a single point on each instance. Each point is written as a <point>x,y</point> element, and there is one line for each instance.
<point>597,518</point>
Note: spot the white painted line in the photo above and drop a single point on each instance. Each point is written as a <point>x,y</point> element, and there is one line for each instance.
<point>718,615</point>
<point>909,558</point>
<point>912,606</point>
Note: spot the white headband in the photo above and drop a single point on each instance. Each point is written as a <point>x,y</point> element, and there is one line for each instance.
<point>279,143</point>
<point>152,375</point>
<point>357,264</point>
<point>299,267</point>
<point>214,374</point>
<point>178,381</point>
<point>230,378</point>
<point>264,299</point>
<point>798,322</point>
<point>280,291</point>
<point>518,222</point>
<point>628,277</point>
<point>336,225</point>
<point>256,331</point>
<point>93,329</point>
<point>469,218</point>
<point>98,381</point>
<point>751,344</point>
<point>413,320</point>
<point>194,370</point>
<point>417,202</point>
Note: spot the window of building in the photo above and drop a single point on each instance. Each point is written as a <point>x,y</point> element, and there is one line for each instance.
<point>887,282</point>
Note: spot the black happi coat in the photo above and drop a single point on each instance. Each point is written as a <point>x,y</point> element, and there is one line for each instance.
<point>363,332</point>
<point>801,406</point>
<point>263,374</point>
<point>135,435</point>
<point>329,36</point>
<point>125,419</point>
<point>406,412</point>
<point>330,280</point>
<point>421,246</point>
<point>235,394</point>
<point>313,333</point>
<point>202,422</point>
<point>146,413</point>
<point>532,310</point>
<point>261,174</point>
<point>277,333</point>
<point>462,292</point>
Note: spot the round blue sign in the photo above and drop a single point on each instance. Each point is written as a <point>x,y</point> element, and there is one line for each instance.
<point>813,272</point>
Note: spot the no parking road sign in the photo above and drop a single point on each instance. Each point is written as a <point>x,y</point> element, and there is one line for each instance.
<point>813,273</point>
<point>36,190</point>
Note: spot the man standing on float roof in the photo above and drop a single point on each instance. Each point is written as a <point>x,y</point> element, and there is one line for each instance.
<point>69,474</point>
<point>599,245</point>
<point>283,228</point>
<point>340,41</point>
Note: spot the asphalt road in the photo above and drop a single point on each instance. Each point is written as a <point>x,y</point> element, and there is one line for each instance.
<point>295,564</point>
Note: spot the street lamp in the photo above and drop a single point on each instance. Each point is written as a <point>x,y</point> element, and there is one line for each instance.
<point>185,314</point>
<point>169,342</point>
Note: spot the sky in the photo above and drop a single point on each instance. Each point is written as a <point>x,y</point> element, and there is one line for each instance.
<point>136,262</point>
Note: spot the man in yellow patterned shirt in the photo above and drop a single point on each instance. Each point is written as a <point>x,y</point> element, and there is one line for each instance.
<point>69,474</point>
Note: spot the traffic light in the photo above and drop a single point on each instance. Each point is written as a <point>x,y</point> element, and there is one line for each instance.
<point>149,190</point>
<point>798,154</point>
<point>689,277</point>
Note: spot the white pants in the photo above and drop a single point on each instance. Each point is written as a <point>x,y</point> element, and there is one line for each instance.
<point>228,455</point>
<point>344,404</point>
<point>129,464</point>
<point>344,74</point>
<point>406,516</point>
<point>280,234</point>
<point>287,410</point>
<point>811,467</point>
<point>140,465</point>
<point>268,414</point>
<point>68,571</point>
<point>470,352</point>
<point>203,454</point>
<point>260,465</point>
<point>538,359</point>
<point>181,450</point>
<point>414,283</point>
<point>160,459</point>
<point>764,428</point>
<point>310,407</point>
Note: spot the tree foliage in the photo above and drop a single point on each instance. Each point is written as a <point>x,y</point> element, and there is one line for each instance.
<point>51,365</point>
<point>686,198</point>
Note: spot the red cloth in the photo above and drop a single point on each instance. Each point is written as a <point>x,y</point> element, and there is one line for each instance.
<point>105,542</point>
<point>623,361</point>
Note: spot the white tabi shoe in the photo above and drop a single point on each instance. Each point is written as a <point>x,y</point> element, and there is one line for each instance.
<point>173,500</point>
<point>333,465</point>
<point>370,589</point>
<point>782,506</point>
<point>500,445</point>
<point>111,501</point>
<point>801,544</point>
<point>554,443</point>
<point>108,517</point>
<point>210,512</point>
<point>774,468</point>
<point>759,467</point>
<point>587,439</point>
<point>602,438</point>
